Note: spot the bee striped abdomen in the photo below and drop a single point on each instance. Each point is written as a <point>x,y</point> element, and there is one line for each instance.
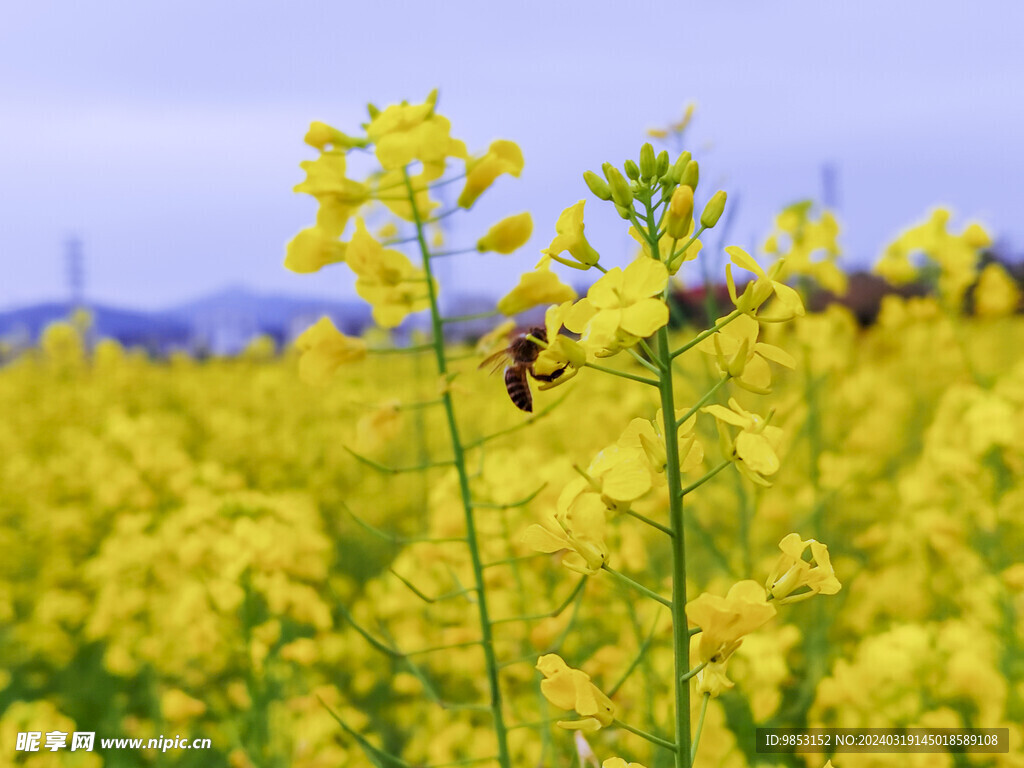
<point>518,388</point>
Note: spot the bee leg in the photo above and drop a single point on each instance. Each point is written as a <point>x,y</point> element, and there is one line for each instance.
<point>547,376</point>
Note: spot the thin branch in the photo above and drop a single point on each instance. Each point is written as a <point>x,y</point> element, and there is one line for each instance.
<point>638,587</point>
<point>398,470</point>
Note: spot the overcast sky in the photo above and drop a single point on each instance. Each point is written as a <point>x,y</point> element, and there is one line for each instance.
<point>167,135</point>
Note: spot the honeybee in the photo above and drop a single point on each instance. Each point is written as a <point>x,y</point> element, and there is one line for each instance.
<point>518,358</point>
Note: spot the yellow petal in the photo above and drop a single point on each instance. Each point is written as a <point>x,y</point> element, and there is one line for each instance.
<point>540,539</point>
<point>507,235</point>
<point>645,317</point>
<point>644,277</point>
<point>628,480</point>
<point>537,287</point>
<point>757,453</point>
<point>743,259</point>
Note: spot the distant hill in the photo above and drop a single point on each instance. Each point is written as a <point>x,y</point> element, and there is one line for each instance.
<point>221,323</point>
<point>131,328</point>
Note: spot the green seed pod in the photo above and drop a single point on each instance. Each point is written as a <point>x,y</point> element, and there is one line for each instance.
<point>691,175</point>
<point>597,185</point>
<point>662,164</point>
<point>621,193</point>
<point>713,210</point>
<point>648,163</point>
<point>632,170</point>
<point>678,166</point>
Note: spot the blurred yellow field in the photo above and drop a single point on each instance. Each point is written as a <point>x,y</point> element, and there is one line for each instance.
<point>345,554</point>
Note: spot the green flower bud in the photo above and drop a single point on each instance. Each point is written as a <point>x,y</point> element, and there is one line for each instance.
<point>648,163</point>
<point>713,210</point>
<point>691,175</point>
<point>662,164</point>
<point>623,210</point>
<point>597,185</point>
<point>621,193</point>
<point>632,170</point>
<point>678,166</point>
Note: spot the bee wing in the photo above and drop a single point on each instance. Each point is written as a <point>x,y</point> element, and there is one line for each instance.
<point>499,359</point>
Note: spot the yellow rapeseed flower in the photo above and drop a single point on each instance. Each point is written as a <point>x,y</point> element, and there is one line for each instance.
<point>406,132</point>
<point>561,352</point>
<point>759,291</point>
<point>578,527</point>
<point>619,309</point>
<point>997,293</point>
<point>312,249</point>
<point>502,157</point>
<point>507,235</point>
<point>386,279</point>
<point>324,348</point>
<point>569,688</point>
<point>725,620</point>
<point>756,446</point>
<point>737,351</point>
<point>618,762</point>
<point>792,572</point>
<point>569,237</point>
<point>541,286</point>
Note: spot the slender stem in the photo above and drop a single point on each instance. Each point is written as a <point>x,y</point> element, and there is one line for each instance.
<point>466,318</point>
<point>694,671</point>
<point>486,633</point>
<point>648,351</point>
<point>645,363</point>
<point>665,743</point>
<point>622,374</point>
<point>667,531</point>
<point>640,656</point>
<point>709,332</point>
<point>401,350</point>
<point>637,586</point>
<point>682,251</point>
<point>698,483</point>
<point>454,252</point>
<point>707,396</point>
<point>536,416</point>
<point>680,638</point>
<point>700,726</point>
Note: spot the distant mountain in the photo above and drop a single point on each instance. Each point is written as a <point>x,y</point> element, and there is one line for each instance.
<point>270,311</point>
<point>131,328</point>
<point>222,323</point>
<point>226,321</point>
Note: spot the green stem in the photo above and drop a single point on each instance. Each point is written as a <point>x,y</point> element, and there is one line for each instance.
<point>637,586</point>
<point>680,637</point>
<point>467,318</point>
<point>486,634</point>
<point>622,374</point>
<point>648,736</point>
<point>704,334</point>
<point>401,350</point>
<point>667,531</point>
<point>707,396</point>
<point>640,359</point>
<point>670,263</point>
<point>698,483</point>
<point>694,671</point>
<point>700,726</point>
